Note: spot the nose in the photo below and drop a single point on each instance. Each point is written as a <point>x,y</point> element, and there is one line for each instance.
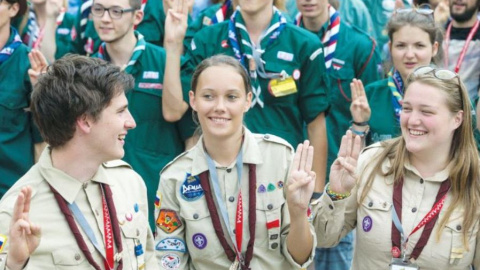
<point>220,105</point>
<point>130,122</point>
<point>410,53</point>
<point>414,118</point>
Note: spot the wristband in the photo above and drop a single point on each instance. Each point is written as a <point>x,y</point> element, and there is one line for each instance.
<point>336,196</point>
<point>360,124</point>
<point>359,133</point>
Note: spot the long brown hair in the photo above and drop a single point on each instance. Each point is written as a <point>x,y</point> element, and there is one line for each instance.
<point>464,159</point>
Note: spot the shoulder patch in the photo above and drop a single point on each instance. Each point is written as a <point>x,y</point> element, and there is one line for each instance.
<point>116,163</point>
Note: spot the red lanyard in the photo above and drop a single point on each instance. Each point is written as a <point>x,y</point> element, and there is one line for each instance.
<point>107,227</point>
<point>465,46</point>
<point>239,224</point>
<point>61,16</point>
<point>428,221</point>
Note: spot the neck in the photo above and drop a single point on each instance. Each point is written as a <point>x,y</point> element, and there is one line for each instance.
<point>224,152</point>
<point>314,24</point>
<point>257,23</point>
<point>40,13</point>
<point>429,165</point>
<point>4,35</point>
<point>68,158</point>
<point>466,24</point>
<point>120,51</point>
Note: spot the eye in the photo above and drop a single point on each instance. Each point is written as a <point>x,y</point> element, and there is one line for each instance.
<point>427,112</point>
<point>116,10</point>
<point>399,45</point>
<point>207,96</point>
<point>420,45</point>
<point>97,9</point>
<point>232,97</point>
<point>406,109</point>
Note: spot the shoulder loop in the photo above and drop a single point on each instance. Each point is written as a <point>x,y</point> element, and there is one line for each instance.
<point>116,163</point>
<point>276,139</point>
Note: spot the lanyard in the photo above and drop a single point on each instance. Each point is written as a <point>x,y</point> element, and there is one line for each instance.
<point>395,84</point>
<point>60,17</point>
<point>465,46</point>
<point>428,221</point>
<point>221,203</point>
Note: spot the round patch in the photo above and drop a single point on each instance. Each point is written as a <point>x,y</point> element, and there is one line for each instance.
<point>191,189</point>
<point>170,261</point>
<point>280,184</point>
<point>396,252</point>
<point>199,240</point>
<point>367,224</point>
<point>296,74</point>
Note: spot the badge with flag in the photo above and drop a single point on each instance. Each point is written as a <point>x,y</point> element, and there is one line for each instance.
<point>3,240</point>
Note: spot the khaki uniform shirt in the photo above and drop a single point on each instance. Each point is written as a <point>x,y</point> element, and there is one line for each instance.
<point>372,220</point>
<point>58,248</point>
<point>178,246</point>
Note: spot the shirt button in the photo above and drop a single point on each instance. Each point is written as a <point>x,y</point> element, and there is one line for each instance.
<point>231,199</point>
<point>414,209</point>
<point>266,136</point>
<point>274,245</point>
<point>270,207</point>
<point>234,232</point>
<point>421,181</point>
<point>77,257</point>
<point>229,170</point>
<point>370,204</point>
<point>195,216</point>
<point>96,212</point>
<point>459,227</point>
<point>330,206</point>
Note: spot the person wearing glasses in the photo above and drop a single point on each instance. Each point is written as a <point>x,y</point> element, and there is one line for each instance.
<point>413,42</point>
<point>156,140</point>
<point>414,200</point>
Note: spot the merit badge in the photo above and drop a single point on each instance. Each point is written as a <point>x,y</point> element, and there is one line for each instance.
<point>296,74</point>
<point>199,240</point>
<point>3,240</point>
<point>280,184</point>
<point>271,187</point>
<point>191,189</point>
<point>170,261</point>
<point>168,220</point>
<point>171,244</point>
<point>367,224</point>
<point>262,189</point>
<point>158,199</point>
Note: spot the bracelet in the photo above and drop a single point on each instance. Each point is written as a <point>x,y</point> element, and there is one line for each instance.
<point>360,124</point>
<point>336,196</point>
<point>316,195</point>
<point>359,133</point>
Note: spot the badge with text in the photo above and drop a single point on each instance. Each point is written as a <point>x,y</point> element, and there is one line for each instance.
<point>399,264</point>
<point>170,261</point>
<point>171,244</point>
<point>282,87</point>
<point>168,220</point>
<point>191,189</point>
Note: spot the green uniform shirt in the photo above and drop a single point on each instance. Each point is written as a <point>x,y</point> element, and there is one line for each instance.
<point>154,142</point>
<point>355,57</point>
<point>294,49</point>
<point>64,36</point>
<point>91,40</point>
<point>17,131</point>
<point>356,13</point>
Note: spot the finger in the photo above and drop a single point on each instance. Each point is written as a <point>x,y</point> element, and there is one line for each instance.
<point>360,89</point>
<point>343,146</point>
<point>303,159</point>
<point>31,58</point>
<point>349,166</point>
<point>18,207</point>
<point>35,229</point>
<point>348,150</point>
<point>296,158</point>
<point>309,162</point>
<point>357,146</point>
<point>22,225</point>
<point>353,87</point>
<point>293,186</point>
<point>28,198</point>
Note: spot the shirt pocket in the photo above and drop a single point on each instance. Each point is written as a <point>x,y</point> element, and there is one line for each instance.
<point>374,223</point>
<point>277,67</point>
<point>134,231</point>
<point>13,116</point>
<point>269,219</point>
<point>69,258</point>
<point>340,92</point>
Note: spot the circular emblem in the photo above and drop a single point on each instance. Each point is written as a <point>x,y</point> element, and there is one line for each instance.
<point>367,224</point>
<point>395,252</point>
<point>170,261</point>
<point>199,240</point>
<point>296,74</point>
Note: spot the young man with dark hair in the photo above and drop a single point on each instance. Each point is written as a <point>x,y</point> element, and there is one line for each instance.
<point>79,206</point>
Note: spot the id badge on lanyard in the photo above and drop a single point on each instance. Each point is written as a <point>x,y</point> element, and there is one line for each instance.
<point>400,264</point>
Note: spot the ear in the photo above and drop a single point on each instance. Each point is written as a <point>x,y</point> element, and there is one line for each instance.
<point>191,97</point>
<point>138,17</point>
<point>458,119</point>
<point>13,9</point>
<point>249,102</point>
<point>84,123</point>
<point>390,46</point>
<point>435,49</point>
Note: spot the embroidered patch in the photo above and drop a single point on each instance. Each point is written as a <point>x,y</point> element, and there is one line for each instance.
<point>171,244</point>
<point>273,224</point>
<point>199,240</point>
<point>191,189</point>
<point>151,75</point>
<point>150,85</point>
<point>170,261</point>
<point>225,44</point>
<point>367,224</point>
<point>285,56</point>
<point>168,220</point>
<point>206,21</point>
<point>158,200</point>
<point>63,31</point>
<point>3,240</point>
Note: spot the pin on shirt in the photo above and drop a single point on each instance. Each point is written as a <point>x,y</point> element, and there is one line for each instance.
<point>139,254</point>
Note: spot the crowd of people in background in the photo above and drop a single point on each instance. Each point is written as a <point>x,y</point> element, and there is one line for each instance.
<point>163,134</point>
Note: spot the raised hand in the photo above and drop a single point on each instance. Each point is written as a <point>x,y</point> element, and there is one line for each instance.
<point>38,65</point>
<point>342,172</point>
<point>24,236</point>
<point>301,180</point>
<point>54,7</point>
<point>176,23</point>
<point>360,109</point>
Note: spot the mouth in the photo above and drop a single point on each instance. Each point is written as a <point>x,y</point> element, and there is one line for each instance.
<point>121,137</point>
<point>219,120</point>
<point>410,64</point>
<point>416,132</point>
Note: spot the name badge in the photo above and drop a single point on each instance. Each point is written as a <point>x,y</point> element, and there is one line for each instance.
<point>282,87</point>
<point>399,264</point>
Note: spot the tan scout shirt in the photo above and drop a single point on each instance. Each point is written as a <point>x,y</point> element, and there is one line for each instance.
<point>58,248</point>
<point>179,246</point>
<point>372,220</point>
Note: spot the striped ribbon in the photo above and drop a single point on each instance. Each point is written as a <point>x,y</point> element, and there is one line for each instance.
<point>395,83</point>
<point>9,48</point>
<point>85,10</point>
<point>222,12</point>
<point>137,51</point>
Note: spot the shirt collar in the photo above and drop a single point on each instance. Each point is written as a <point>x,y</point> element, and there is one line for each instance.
<point>67,186</point>
<point>438,177</point>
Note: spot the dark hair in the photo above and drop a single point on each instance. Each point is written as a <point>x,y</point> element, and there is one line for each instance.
<point>71,87</point>
<point>22,7</point>
<point>222,60</point>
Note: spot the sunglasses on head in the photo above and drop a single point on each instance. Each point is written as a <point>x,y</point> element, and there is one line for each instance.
<point>423,9</point>
<point>442,74</point>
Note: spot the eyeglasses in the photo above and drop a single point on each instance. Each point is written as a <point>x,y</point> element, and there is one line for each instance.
<point>442,74</point>
<point>115,12</point>
<point>423,9</point>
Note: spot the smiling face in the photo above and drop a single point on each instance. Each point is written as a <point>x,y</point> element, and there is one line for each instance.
<point>312,8</point>
<point>410,48</point>
<point>426,121</point>
<point>220,103</point>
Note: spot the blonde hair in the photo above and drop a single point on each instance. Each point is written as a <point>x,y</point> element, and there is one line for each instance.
<point>464,172</point>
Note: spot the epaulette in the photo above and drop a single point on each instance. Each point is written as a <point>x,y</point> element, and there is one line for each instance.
<point>175,159</point>
<point>375,145</point>
<point>275,139</point>
<point>116,163</point>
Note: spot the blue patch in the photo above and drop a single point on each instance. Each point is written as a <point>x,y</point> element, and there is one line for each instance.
<point>171,244</point>
<point>191,189</point>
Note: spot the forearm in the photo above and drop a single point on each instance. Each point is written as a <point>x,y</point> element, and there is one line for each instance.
<point>317,134</point>
<point>48,45</point>
<point>173,105</point>
<point>299,239</point>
